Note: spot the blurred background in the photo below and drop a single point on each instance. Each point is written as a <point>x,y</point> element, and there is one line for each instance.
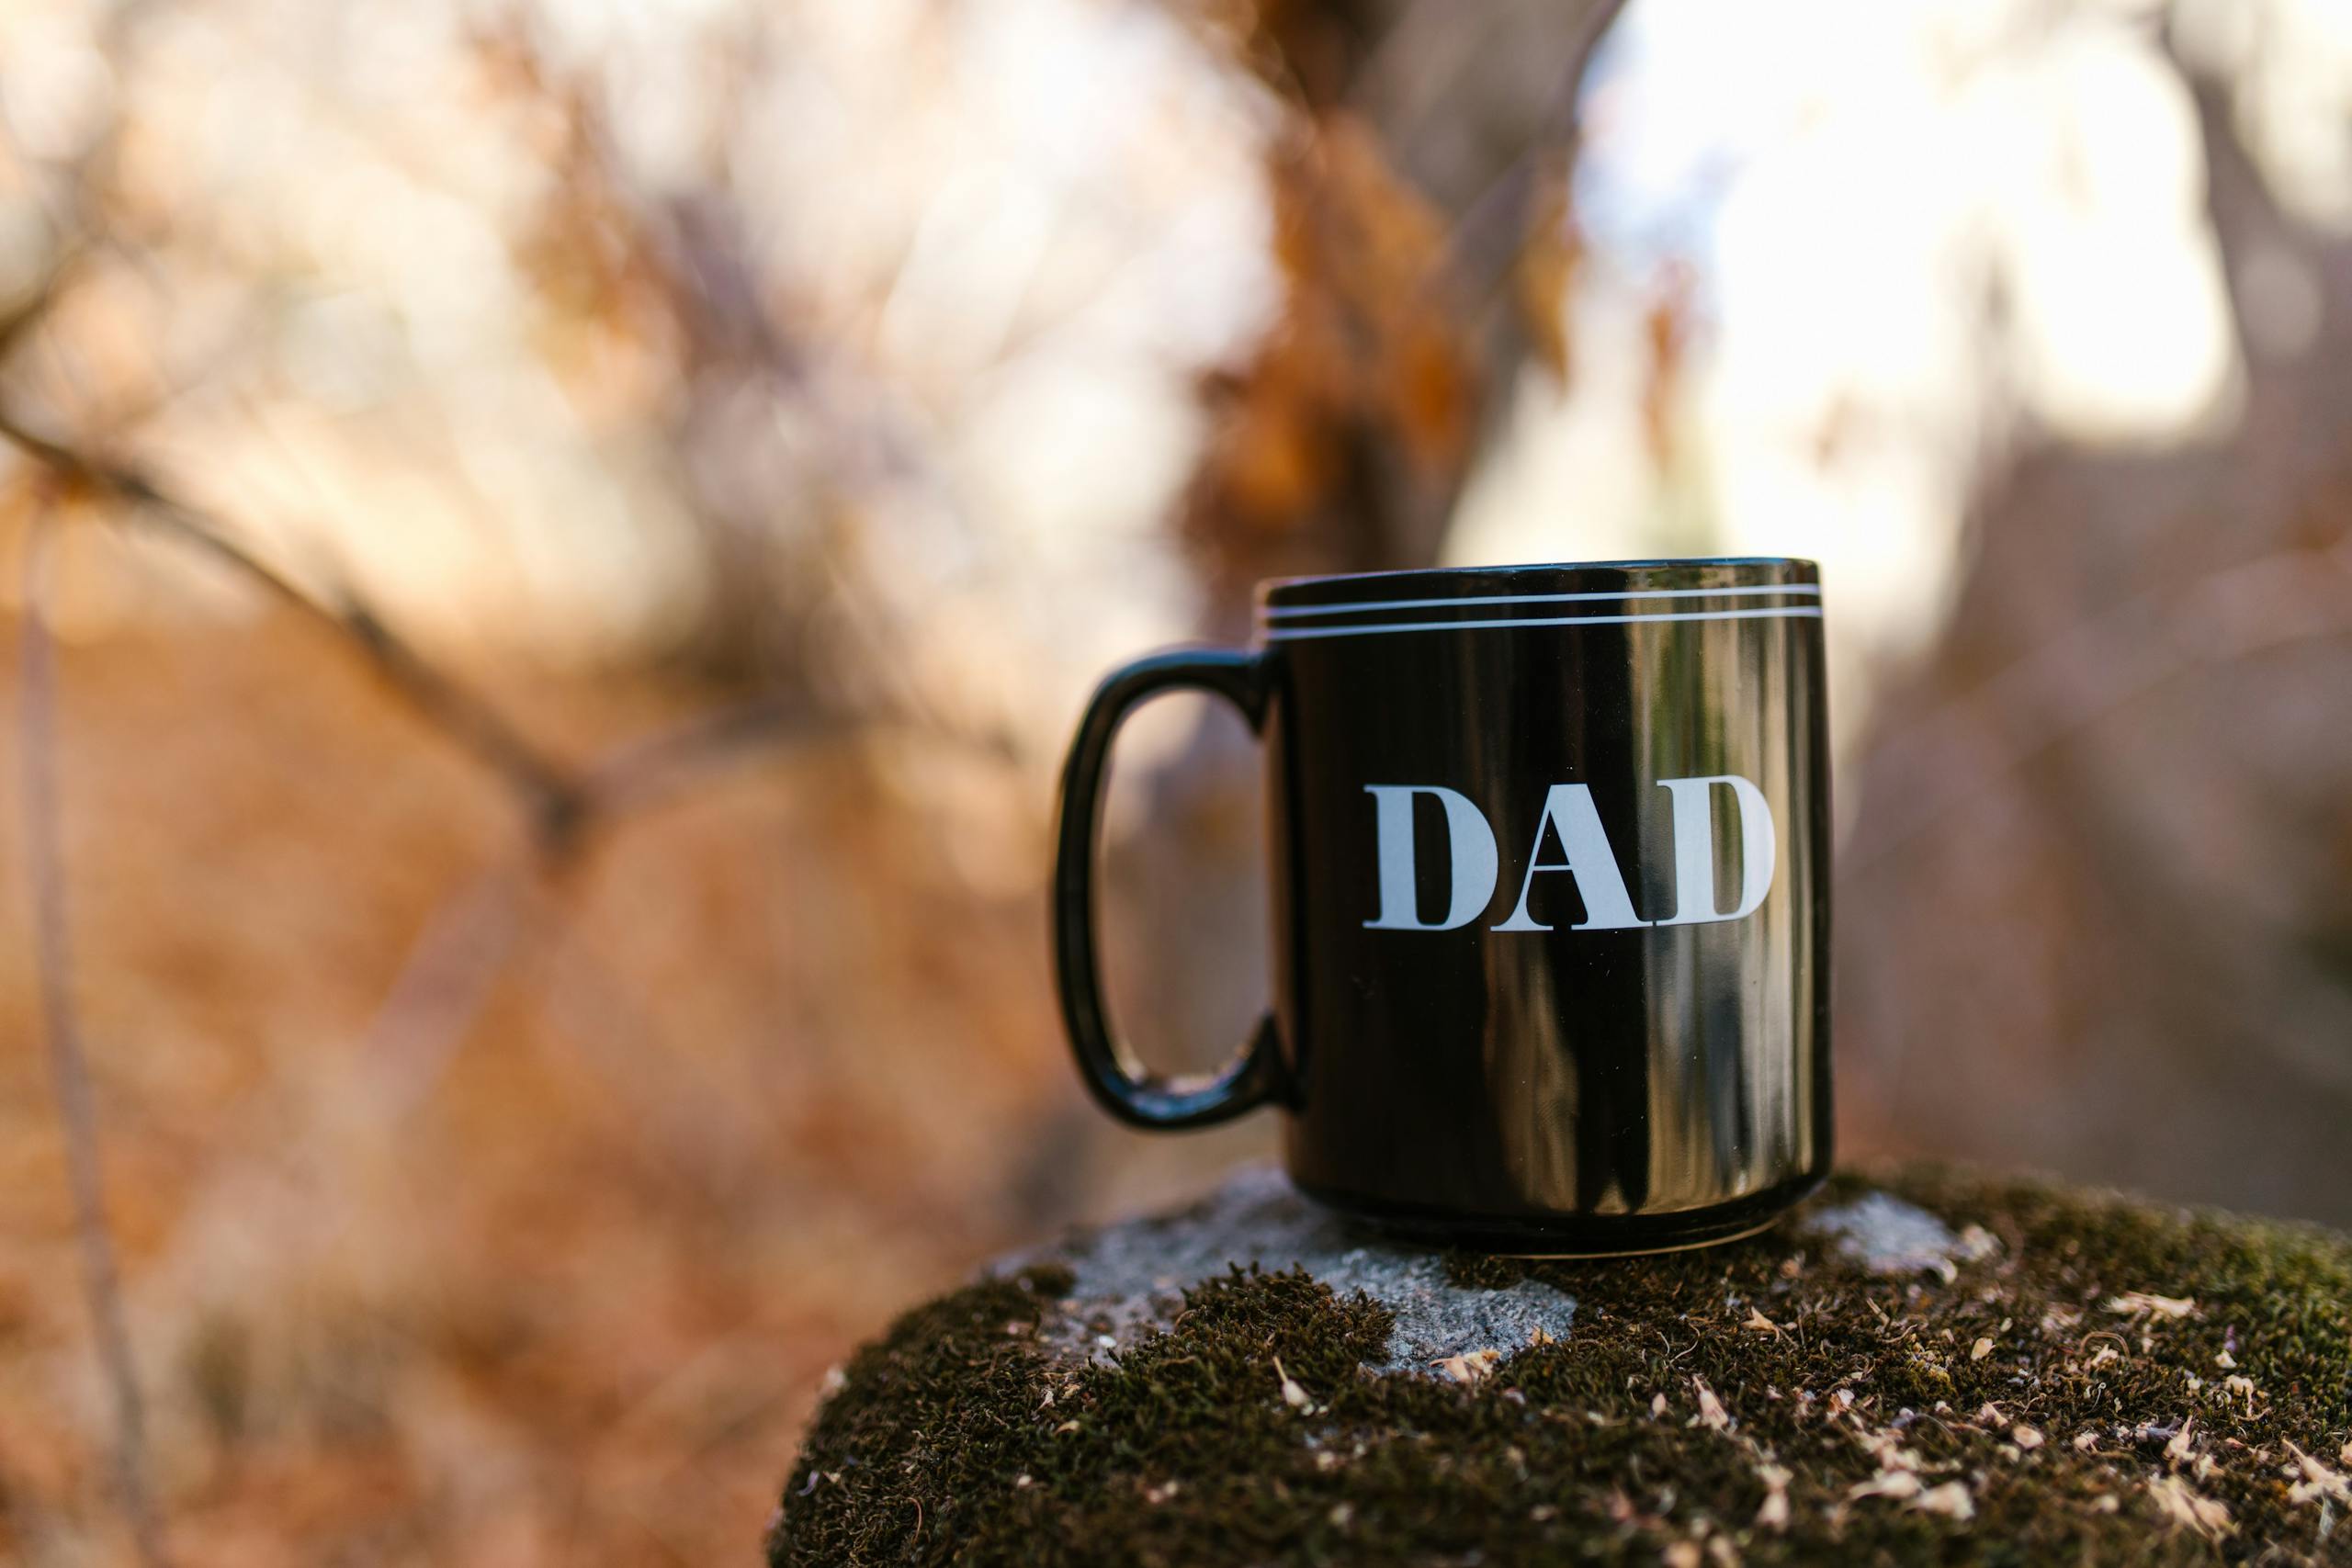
<point>551,549</point>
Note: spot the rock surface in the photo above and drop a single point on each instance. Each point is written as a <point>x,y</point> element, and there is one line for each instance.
<point>1131,1278</point>
<point>1930,1370</point>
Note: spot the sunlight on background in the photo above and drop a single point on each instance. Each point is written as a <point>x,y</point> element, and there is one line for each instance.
<point>1921,233</point>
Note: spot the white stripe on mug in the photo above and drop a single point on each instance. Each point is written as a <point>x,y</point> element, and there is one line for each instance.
<point>1791,612</point>
<point>1298,612</point>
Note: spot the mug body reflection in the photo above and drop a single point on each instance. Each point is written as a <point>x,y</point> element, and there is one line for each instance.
<point>1549,855</point>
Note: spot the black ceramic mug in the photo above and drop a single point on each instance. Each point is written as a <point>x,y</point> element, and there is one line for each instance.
<point>1549,864</point>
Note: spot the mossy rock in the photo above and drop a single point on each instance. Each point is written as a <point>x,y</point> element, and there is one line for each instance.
<point>1935,1367</point>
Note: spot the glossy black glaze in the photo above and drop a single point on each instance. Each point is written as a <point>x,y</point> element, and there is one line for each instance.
<point>1648,1086</point>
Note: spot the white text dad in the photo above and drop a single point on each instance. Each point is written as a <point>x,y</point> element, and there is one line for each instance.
<point>1568,816</point>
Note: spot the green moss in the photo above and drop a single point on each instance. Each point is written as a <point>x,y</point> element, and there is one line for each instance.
<point>956,1438</point>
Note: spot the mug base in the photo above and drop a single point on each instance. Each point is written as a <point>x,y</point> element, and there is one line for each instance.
<point>1571,1235</point>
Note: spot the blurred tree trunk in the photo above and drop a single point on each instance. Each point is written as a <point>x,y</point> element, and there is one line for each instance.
<point>2097,909</point>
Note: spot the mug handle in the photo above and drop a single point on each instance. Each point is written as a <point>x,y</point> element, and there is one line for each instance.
<point>1128,1090</point>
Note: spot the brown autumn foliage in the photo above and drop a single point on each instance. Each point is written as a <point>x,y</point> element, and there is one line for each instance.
<point>1340,446</point>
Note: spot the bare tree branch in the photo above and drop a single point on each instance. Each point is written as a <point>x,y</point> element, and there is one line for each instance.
<point>443,986</point>
<point>68,1066</point>
<point>562,801</point>
<point>1493,229</point>
<point>640,771</point>
<point>30,310</point>
<point>469,719</point>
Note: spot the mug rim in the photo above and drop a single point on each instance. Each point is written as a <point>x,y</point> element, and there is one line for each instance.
<point>1629,577</point>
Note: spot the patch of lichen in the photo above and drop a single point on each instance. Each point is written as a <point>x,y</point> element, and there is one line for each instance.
<point>1690,1385</point>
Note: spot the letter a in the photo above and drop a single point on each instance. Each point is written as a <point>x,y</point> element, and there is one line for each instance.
<point>1470,842</point>
<point>1568,810</point>
<point>1695,849</point>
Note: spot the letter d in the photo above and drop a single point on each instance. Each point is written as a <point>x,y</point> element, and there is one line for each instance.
<point>1470,843</point>
<point>1695,849</point>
